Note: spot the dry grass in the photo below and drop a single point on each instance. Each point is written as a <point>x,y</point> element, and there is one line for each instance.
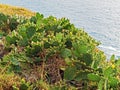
<point>7,81</point>
<point>13,10</point>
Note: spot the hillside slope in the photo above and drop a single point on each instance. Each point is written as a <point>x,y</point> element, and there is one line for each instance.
<point>13,10</point>
<point>46,53</point>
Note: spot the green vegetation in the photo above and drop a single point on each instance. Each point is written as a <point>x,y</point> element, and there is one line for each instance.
<point>42,53</point>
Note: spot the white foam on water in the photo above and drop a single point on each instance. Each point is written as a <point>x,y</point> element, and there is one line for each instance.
<point>109,50</point>
<point>108,47</point>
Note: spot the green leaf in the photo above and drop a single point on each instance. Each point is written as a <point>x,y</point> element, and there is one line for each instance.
<point>117,62</point>
<point>66,53</point>
<point>68,61</point>
<point>23,87</point>
<point>34,50</point>
<point>23,42</point>
<point>15,68</point>
<point>37,59</point>
<point>108,72</point>
<point>75,52</point>
<point>13,23</point>
<point>11,40</point>
<point>14,61</point>
<point>83,49</point>
<point>1,34</point>
<point>87,58</point>
<point>68,43</point>
<point>15,88</point>
<point>113,81</point>
<point>101,84</point>
<point>3,18</point>
<point>8,39</point>
<point>56,43</point>
<point>112,58</point>
<point>39,19</point>
<point>47,45</point>
<point>69,73</point>
<point>79,49</point>
<point>30,31</point>
<point>39,16</point>
<point>94,77</point>
<point>59,36</point>
<point>33,19</point>
<point>22,31</point>
<point>82,75</point>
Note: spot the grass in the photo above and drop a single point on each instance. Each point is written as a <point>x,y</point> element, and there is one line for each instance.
<point>13,10</point>
<point>8,80</point>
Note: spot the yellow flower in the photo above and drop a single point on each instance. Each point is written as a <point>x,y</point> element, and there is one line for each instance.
<point>117,77</point>
<point>113,66</point>
<point>70,33</point>
<point>55,19</point>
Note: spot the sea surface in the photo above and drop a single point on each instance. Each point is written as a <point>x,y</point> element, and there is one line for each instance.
<point>100,18</point>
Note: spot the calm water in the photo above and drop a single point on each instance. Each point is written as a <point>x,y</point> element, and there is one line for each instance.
<point>100,18</point>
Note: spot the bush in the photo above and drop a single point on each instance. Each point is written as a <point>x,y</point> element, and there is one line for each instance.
<point>56,52</point>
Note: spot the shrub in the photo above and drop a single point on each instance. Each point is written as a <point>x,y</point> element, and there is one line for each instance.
<point>56,52</point>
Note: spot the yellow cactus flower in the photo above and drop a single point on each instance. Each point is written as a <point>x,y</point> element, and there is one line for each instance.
<point>113,66</point>
<point>55,19</point>
<point>70,33</point>
<point>117,77</point>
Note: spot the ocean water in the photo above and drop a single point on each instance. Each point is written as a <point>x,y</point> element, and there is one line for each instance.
<point>100,18</point>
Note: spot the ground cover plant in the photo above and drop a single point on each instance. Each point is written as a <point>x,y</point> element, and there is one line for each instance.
<point>46,53</point>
